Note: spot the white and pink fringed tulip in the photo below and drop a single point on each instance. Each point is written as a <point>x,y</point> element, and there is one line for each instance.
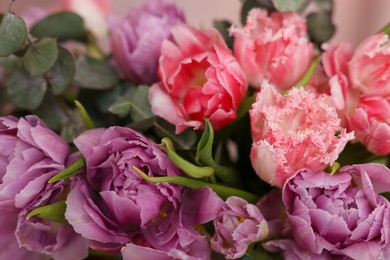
<point>295,131</point>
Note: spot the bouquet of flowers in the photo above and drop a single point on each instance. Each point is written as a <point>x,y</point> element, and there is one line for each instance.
<point>144,137</point>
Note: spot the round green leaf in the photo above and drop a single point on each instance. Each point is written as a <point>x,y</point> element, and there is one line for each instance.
<point>120,107</point>
<point>26,91</point>
<point>13,34</point>
<point>95,74</point>
<point>41,56</point>
<point>140,107</point>
<point>62,73</point>
<point>290,5</point>
<point>63,26</point>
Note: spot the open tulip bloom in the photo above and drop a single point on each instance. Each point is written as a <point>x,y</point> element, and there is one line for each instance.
<point>143,136</point>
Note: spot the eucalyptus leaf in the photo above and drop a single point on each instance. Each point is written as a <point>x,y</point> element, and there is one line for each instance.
<point>325,5</point>
<point>54,212</point>
<point>140,106</point>
<point>106,98</point>
<point>290,5</point>
<point>320,27</point>
<point>62,73</point>
<point>26,91</point>
<point>13,33</point>
<point>10,63</point>
<point>143,125</point>
<point>51,112</point>
<point>95,74</point>
<point>62,25</point>
<point>41,56</point>
<point>120,108</point>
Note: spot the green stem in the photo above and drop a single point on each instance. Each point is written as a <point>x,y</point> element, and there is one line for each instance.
<point>309,73</point>
<point>188,168</point>
<point>223,191</point>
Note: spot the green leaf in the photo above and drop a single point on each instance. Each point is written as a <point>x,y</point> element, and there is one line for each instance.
<point>62,73</point>
<point>72,126</point>
<point>13,33</point>
<point>290,5</point>
<point>325,5</point>
<point>70,171</point>
<point>143,125</point>
<point>41,56</point>
<point>140,107</point>
<point>204,152</point>
<point>63,26</point>
<point>54,212</point>
<point>120,108</point>
<point>320,27</point>
<point>223,27</point>
<point>26,91</point>
<point>106,98</point>
<point>244,107</point>
<point>52,112</point>
<point>204,156</point>
<point>188,168</point>
<point>95,74</point>
<point>386,29</point>
<point>84,115</point>
<point>386,195</point>
<point>10,63</point>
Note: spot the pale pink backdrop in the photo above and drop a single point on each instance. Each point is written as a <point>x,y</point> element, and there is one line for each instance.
<point>355,19</point>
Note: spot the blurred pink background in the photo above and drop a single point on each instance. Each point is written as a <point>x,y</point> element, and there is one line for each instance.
<point>355,19</point>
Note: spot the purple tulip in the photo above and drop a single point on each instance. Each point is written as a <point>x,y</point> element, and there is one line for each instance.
<point>136,39</point>
<point>118,211</point>
<point>291,251</point>
<point>238,225</point>
<point>341,214</point>
<point>10,248</point>
<point>31,155</point>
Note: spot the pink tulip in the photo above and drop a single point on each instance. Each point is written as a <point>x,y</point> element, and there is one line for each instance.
<point>299,130</point>
<point>273,47</point>
<point>200,78</point>
<point>360,85</point>
<point>369,68</point>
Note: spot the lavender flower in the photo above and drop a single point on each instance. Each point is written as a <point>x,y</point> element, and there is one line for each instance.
<point>238,225</point>
<point>33,154</point>
<point>341,214</point>
<point>118,211</point>
<point>136,39</point>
